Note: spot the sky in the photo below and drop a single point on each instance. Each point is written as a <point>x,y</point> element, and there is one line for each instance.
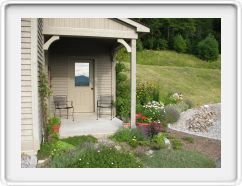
<point>82,69</point>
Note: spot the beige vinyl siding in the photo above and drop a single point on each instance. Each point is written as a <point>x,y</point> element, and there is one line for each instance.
<point>40,65</point>
<point>93,23</point>
<point>59,77</point>
<point>26,90</point>
<point>103,73</point>
<point>93,27</point>
<point>32,59</point>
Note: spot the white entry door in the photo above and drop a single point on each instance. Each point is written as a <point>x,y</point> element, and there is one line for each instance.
<point>80,85</point>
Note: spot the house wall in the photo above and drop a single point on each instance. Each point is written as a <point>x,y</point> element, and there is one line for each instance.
<point>60,53</point>
<point>26,86</point>
<point>32,59</point>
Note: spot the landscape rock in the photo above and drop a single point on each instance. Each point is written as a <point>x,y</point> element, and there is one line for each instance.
<point>203,121</point>
<point>28,161</point>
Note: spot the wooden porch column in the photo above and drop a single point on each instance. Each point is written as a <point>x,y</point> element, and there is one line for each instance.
<point>133,82</point>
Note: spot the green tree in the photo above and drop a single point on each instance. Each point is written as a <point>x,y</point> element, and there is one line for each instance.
<point>180,44</point>
<point>208,48</point>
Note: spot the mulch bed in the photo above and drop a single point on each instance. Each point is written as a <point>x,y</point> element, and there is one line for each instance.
<point>206,146</point>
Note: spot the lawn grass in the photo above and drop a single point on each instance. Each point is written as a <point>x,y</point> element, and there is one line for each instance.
<point>170,58</point>
<point>79,140</point>
<point>166,158</point>
<point>200,85</point>
<point>198,80</point>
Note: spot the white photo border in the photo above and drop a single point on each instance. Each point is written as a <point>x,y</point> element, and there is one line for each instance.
<point>236,4</point>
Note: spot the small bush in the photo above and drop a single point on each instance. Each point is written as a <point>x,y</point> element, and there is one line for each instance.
<point>176,144</point>
<point>45,150</point>
<point>133,142</point>
<point>54,121</point>
<point>122,102</point>
<point>49,149</point>
<point>171,114</point>
<point>180,44</point>
<point>147,92</point>
<point>79,140</point>
<point>99,157</point>
<point>161,44</point>
<point>181,106</point>
<point>160,140</point>
<point>189,103</point>
<point>126,135</point>
<point>189,139</point>
<point>167,99</point>
<point>208,49</point>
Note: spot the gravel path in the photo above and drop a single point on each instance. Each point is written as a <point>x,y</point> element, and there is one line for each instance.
<point>213,131</point>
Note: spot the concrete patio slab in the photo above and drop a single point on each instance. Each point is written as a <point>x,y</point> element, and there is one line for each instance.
<point>87,124</point>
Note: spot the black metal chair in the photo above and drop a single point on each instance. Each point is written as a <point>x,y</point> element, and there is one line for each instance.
<point>105,101</point>
<point>61,102</point>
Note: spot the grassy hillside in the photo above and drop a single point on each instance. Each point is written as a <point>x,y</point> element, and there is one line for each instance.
<point>195,79</point>
<point>169,58</point>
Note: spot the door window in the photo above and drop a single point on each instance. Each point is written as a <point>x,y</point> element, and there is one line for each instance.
<point>82,74</point>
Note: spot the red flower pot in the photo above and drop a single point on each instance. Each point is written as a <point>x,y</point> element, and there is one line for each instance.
<point>127,125</point>
<point>142,124</point>
<point>56,128</point>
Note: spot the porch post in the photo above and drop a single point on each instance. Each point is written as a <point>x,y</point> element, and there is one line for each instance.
<point>133,81</point>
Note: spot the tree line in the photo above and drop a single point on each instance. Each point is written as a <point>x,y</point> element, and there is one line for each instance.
<point>198,36</point>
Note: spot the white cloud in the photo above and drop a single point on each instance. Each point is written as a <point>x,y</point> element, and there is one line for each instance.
<point>82,69</point>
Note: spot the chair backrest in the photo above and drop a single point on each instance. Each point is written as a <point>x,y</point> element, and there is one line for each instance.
<point>60,100</point>
<point>106,98</point>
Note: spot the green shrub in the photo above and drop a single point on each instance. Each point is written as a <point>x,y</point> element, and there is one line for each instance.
<point>190,139</point>
<point>133,142</point>
<point>189,103</point>
<point>126,135</point>
<point>181,106</point>
<point>167,99</point>
<point>208,49</point>
<point>161,44</point>
<point>180,44</point>
<point>176,144</point>
<point>149,43</point>
<point>166,158</point>
<point>79,140</point>
<point>54,121</point>
<point>122,103</point>
<point>147,92</point>
<point>49,149</point>
<point>45,150</point>
<point>100,157</point>
<point>160,140</point>
<point>171,114</point>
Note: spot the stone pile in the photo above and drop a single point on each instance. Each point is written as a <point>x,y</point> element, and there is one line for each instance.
<point>204,118</point>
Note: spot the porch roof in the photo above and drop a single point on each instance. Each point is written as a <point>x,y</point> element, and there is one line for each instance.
<point>93,27</point>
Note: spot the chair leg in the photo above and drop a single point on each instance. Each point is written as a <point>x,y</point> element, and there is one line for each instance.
<point>111,113</point>
<point>67,110</point>
<point>60,112</point>
<point>73,114</point>
<point>97,112</point>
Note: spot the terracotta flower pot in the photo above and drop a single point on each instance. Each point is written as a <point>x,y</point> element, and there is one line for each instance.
<point>56,128</point>
<point>127,125</point>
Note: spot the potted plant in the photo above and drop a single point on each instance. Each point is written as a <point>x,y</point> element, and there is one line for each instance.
<point>126,122</point>
<point>55,124</point>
